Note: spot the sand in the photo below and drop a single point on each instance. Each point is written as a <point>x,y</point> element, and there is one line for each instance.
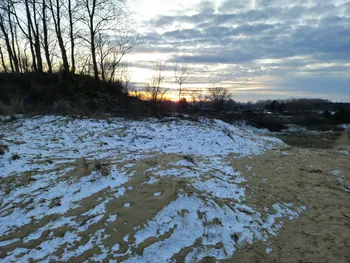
<point>317,178</point>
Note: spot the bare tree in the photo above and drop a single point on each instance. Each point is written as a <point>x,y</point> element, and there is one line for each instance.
<point>26,27</point>
<point>136,93</point>
<point>218,95</point>
<point>197,97</point>
<point>103,49</point>
<point>101,16</point>
<point>122,45</point>
<point>72,10</point>
<point>36,33</point>
<point>17,44</point>
<point>24,60</point>
<point>154,89</point>
<point>122,76</point>
<point>7,34</point>
<point>45,34</point>
<point>3,64</point>
<point>56,11</point>
<point>111,50</point>
<point>84,64</point>
<point>182,73</point>
<point>12,29</point>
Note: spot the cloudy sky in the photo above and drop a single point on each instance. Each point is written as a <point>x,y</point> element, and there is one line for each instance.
<point>258,49</point>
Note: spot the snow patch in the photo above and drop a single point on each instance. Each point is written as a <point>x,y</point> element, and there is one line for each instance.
<point>268,250</point>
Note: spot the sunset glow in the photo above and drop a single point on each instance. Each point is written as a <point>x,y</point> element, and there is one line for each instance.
<point>258,49</point>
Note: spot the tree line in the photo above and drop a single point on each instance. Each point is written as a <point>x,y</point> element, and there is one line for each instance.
<point>156,92</point>
<point>71,36</point>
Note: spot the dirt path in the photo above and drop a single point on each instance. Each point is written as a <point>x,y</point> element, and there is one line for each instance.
<point>317,178</point>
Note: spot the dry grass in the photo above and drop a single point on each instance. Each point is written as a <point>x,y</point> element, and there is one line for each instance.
<point>66,107</point>
<point>3,149</point>
<point>12,107</point>
<point>182,184</point>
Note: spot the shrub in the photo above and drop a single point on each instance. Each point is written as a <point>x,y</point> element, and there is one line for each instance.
<point>326,114</point>
<point>62,107</point>
<point>12,107</point>
<point>182,105</point>
<point>43,93</point>
<point>342,116</point>
<point>271,125</point>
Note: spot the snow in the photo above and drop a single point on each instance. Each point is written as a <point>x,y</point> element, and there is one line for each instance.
<point>268,250</point>
<point>152,180</point>
<point>249,168</point>
<point>339,175</point>
<point>8,242</point>
<point>116,247</point>
<point>183,163</point>
<point>187,228</point>
<point>336,172</point>
<point>67,193</point>
<point>54,184</point>
<point>347,153</point>
<point>64,138</point>
<point>126,238</point>
<point>219,188</point>
<point>111,218</point>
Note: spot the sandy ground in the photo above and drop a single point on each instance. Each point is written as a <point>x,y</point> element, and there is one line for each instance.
<point>318,179</point>
<point>314,177</point>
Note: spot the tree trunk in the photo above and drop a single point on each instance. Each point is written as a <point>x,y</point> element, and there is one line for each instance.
<point>14,56</point>
<point>29,35</point>
<point>94,62</point>
<point>180,91</point>
<point>63,52</point>
<point>71,35</point>
<point>46,44</point>
<point>60,39</point>
<point>56,15</point>
<point>93,48</point>
<point>101,55</point>
<point>3,60</point>
<point>18,51</point>
<point>37,40</point>
<point>7,42</point>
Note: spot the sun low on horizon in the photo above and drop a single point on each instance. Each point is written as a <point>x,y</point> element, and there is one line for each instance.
<point>258,49</point>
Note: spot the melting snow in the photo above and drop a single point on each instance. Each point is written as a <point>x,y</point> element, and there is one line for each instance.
<point>116,247</point>
<point>268,250</point>
<point>336,172</point>
<point>49,185</point>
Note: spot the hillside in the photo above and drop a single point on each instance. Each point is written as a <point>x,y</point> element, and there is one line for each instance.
<point>73,189</point>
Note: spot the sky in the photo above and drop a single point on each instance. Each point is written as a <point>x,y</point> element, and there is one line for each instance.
<point>258,49</point>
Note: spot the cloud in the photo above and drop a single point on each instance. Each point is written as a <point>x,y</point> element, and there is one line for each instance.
<point>235,6</point>
<point>206,7</point>
<point>183,34</point>
<point>304,38</point>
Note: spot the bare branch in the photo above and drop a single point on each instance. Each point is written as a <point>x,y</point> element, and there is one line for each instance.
<point>182,74</point>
